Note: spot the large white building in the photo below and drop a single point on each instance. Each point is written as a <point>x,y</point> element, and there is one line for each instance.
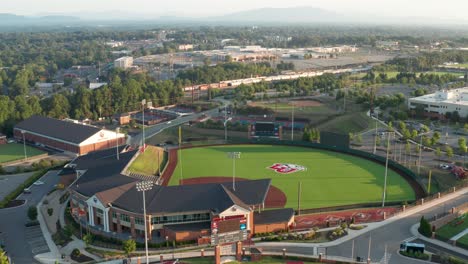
<point>124,62</point>
<point>439,103</point>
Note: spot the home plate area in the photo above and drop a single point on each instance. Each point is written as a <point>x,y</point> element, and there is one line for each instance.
<point>335,218</point>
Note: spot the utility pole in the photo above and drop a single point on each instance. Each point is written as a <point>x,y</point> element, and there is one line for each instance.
<point>368,252</point>
<point>375,136</point>
<point>352,250</point>
<point>419,159</point>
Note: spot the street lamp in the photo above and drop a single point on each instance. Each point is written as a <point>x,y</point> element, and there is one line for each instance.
<point>24,145</point>
<point>386,169</point>
<point>234,156</point>
<point>144,186</point>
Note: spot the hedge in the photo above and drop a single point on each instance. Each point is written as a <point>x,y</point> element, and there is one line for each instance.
<point>15,193</point>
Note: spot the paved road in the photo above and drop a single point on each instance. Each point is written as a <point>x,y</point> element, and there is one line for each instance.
<point>391,235</point>
<point>8,183</point>
<point>153,130</point>
<point>23,243</point>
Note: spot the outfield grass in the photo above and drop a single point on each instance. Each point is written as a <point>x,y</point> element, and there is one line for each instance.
<point>450,230</point>
<point>13,151</point>
<point>331,178</point>
<point>147,163</point>
<point>354,122</point>
<point>287,107</point>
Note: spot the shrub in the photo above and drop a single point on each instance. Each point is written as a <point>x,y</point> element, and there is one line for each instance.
<point>32,213</point>
<point>76,252</point>
<point>50,211</point>
<point>425,227</point>
<point>129,246</point>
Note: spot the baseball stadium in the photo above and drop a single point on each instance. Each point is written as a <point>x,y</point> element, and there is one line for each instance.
<point>215,194</point>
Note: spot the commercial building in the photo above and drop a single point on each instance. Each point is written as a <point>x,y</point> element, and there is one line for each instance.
<point>440,103</point>
<point>123,62</point>
<point>66,135</point>
<point>185,47</point>
<point>104,197</point>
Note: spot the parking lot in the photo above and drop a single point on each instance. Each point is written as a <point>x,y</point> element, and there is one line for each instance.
<point>8,183</point>
<point>36,240</point>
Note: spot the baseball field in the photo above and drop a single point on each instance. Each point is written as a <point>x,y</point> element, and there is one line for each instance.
<point>328,178</point>
<point>13,151</point>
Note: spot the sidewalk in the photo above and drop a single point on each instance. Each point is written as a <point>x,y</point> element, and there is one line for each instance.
<point>372,226</point>
<point>54,254</point>
<point>414,231</point>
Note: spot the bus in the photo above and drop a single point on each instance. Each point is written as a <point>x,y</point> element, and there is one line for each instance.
<point>412,247</point>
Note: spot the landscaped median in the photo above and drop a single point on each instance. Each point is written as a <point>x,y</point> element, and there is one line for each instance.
<point>15,193</point>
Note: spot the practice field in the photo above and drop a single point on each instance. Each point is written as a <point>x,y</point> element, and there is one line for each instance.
<point>328,178</point>
<point>13,151</point>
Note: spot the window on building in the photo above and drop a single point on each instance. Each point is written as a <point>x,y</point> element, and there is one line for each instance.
<point>124,218</point>
<point>114,215</point>
<point>180,218</point>
<point>139,221</point>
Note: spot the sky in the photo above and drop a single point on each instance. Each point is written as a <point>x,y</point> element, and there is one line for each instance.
<point>451,9</point>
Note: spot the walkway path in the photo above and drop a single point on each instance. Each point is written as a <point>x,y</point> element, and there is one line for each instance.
<point>461,251</point>
<point>460,235</point>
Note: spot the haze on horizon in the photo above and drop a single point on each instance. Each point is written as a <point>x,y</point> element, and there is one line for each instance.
<point>449,9</point>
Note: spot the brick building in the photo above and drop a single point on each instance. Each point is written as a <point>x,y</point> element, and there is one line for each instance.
<point>66,135</point>
<point>110,204</point>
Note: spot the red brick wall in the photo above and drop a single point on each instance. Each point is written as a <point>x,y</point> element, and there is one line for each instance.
<point>186,235</point>
<point>270,227</point>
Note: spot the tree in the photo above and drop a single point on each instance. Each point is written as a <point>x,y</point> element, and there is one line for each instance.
<point>129,246</point>
<point>3,257</point>
<point>414,133</point>
<point>435,137</point>
<point>425,227</point>
<point>462,145</point>
<point>359,139</point>
<point>378,141</point>
<point>438,152</point>
<point>32,213</point>
<point>88,239</point>
<point>449,151</point>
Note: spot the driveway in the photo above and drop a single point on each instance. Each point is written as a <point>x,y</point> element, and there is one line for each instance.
<point>23,243</point>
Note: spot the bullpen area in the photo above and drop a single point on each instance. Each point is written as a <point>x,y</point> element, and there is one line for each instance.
<point>327,178</point>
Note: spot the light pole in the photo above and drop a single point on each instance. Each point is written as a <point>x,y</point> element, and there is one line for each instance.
<point>144,186</point>
<point>225,128</point>
<point>24,145</point>
<point>292,124</point>
<point>375,137</point>
<point>419,159</point>
<point>386,169</point>
<point>143,103</point>
<point>117,130</point>
<point>234,156</point>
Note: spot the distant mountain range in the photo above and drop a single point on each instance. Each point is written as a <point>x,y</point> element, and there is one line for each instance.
<point>278,16</point>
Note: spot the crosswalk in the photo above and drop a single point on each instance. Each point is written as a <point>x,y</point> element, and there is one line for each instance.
<point>36,240</point>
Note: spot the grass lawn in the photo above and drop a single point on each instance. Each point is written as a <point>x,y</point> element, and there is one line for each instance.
<point>269,260</point>
<point>286,107</point>
<point>451,229</point>
<point>147,163</point>
<point>354,122</point>
<point>330,179</point>
<point>463,242</point>
<point>13,151</point>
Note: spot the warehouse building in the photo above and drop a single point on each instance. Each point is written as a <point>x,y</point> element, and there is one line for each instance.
<point>105,198</point>
<point>66,135</point>
<point>440,103</point>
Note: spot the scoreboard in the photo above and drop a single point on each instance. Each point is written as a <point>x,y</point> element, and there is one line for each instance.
<point>228,230</point>
<point>265,129</point>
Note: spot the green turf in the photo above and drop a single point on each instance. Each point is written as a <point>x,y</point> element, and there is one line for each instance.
<point>450,230</point>
<point>463,241</point>
<point>354,122</point>
<point>13,151</point>
<point>147,163</point>
<point>331,178</point>
<point>287,107</point>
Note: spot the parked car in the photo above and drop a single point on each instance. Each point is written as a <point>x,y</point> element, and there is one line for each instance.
<point>445,166</point>
<point>27,190</point>
<point>37,183</point>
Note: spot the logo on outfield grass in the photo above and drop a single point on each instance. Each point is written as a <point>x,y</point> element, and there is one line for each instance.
<point>286,168</point>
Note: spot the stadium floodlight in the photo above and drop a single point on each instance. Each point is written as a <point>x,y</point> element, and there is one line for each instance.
<point>143,103</point>
<point>117,130</point>
<point>225,128</point>
<point>234,156</point>
<point>386,167</point>
<point>144,186</point>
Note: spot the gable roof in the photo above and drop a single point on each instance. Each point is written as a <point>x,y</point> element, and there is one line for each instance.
<point>58,129</point>
<point>283,215</point>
